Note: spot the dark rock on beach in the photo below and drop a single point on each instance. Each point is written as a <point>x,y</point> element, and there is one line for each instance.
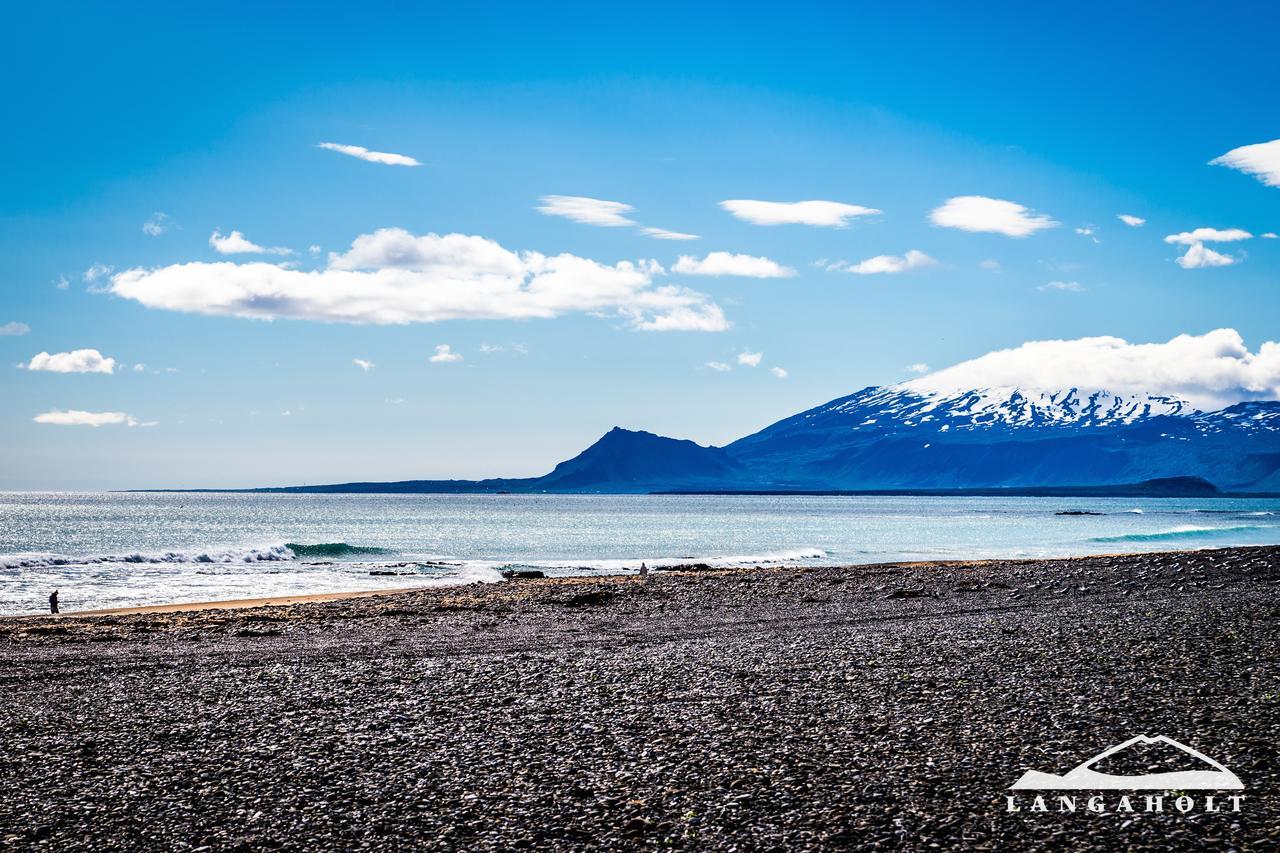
<point>760,709</point>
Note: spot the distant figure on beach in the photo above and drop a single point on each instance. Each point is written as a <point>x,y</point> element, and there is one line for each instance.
<point>53,602</point>
<point>644,570</point>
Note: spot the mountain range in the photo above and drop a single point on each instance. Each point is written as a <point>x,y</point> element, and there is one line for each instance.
<point>904,438</point>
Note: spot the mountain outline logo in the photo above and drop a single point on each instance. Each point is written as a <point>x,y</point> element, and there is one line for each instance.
<point>1083,777</point>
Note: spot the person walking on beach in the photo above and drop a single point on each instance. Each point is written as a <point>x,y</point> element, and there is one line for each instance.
<point>644,570</point>
<point>53,602</point>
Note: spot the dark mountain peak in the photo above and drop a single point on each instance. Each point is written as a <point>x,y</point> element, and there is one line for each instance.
<point>638,459</point>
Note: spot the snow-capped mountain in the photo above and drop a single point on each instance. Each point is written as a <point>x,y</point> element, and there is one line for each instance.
<point>911,437</point>
<point>902,436</point>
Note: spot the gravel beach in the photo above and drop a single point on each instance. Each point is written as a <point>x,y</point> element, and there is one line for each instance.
<point>883,707</point>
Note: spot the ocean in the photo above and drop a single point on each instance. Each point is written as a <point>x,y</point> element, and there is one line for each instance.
<point>119,549</point>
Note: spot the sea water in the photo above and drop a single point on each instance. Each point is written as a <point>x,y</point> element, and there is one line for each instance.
<point>116,550</point>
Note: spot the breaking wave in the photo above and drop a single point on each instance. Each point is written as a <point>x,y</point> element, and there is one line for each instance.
<point>333,549</point>
<point>1186,531</point>
<point>276,553</point>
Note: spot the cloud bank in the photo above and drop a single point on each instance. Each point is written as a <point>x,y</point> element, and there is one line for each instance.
<point>76,361</point>
<point>723,263</point>
<point>394,277</point>
<point>991,215</point>
<point>823,214</point>
<point>1210,371</point>
<point>363,153</point>
<point>1261,160</point>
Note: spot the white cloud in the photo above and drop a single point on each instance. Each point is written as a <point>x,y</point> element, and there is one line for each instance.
<point>372,156</point>
<point>13,329</point>
<point>664,234</point>
<point>919,367</point>
<point>314,249</point>
<point>1269,235</point>
<point>913,259</point>
<point>76,361</point>
<point>96,272</point>
<point>750,359</point>
<point>1131,220</point>
<point>394,277</point>
<point>1261,160</point>
<point>1210,371</point>
<point>236,243</point>
<point>489,349</point>
<point>723,263</point>
<point>588,211</point>
<point>445,355</point>
<point>826,214</point>
<point>989,264</point>
<point>363,364</point>
<point>1089,231</point>
<point>139,368</point>
<point>62,282</point>
<point>156,225</point>
<point>719,366</point>
<point>981,214</point>
<point>1066,286</point>
<point>778,372</point>
<point>74,417</point>
<point>1208,235</point>
<point>1199,256</point>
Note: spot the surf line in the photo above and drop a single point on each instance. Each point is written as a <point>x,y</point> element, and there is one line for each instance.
<point>1124,804</point>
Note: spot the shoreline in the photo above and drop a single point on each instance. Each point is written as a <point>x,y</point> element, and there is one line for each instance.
<point>321,597</point>
<point>798,708</point>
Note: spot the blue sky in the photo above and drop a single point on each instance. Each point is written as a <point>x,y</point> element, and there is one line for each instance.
<point>213,117</point>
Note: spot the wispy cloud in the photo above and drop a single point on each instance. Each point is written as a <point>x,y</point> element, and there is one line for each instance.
<point>913,259</point>
<point>750,359</point>
<point>664,234</point>
<point>96,272</point>
<point>75,417</point>
<point>1063,286</point>
<point>989,264</point>
<point>62,282</point>
<point>719,366</point>
<point>779,373</point>
<point>363,153</point>
<point>918,367</point>
<point>588,211</point>
<point>76,361</point>
<point>363,364</point>
<point>13,329</point>
<point>1131,220</point>
<point>445,355</point>
<point>157,224</point>
<point>1261,160</point>
<point>603,213</point>
<point>236,243</point>
<point>394,277</point>
<point>978,213</point>
<point>724,263</point>
<point>1208,235</point>
<point>823,214</point>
